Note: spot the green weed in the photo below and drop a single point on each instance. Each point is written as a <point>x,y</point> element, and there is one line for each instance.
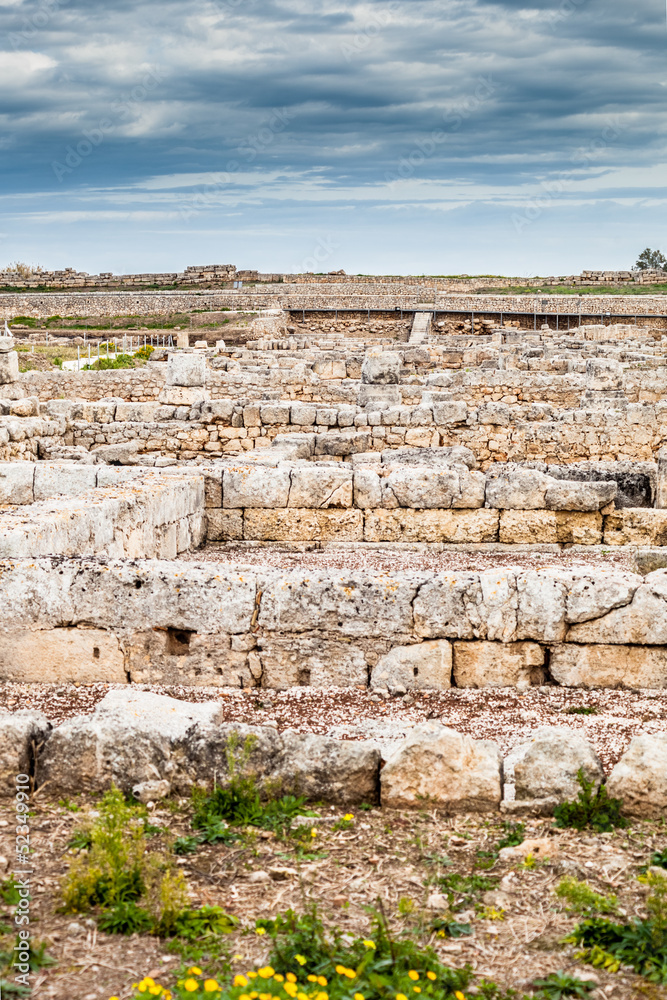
<point>464,890</point>
<point>581,710</point>
<point>583,899</point>
<point>592,808</point>
<point>559,984</point>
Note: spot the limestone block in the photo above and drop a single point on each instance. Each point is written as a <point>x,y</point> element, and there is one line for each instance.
<point>424,666</point>
<point>494,413</point>
<point>472,490</point>
<point>367,488</point>
<point>124,453</point>
<point>27,407</point>
<point>362,606</point>
<point>379,397</point>
<point>320,487</point>
<point>18,732</point>
<point>9,368</point>
<point>636,526</point>
<point>330,369</point>
<point>302,525</point>
<point>6,343</point>
<point>548,527</point>
<point>180,395</point>
<point>255,486</point>
<point>441,608</point>
<point>17,482</point>
<point>422,488</point>
<point>303,414</point>
<point>603,374</point>
<point>437,767</point>
<point>342,442</point>
<point>175,656</point>
<point>432,458</point>
<point>345,772</point>
<point>135,412</point>
<point>641,622</point>
<point>431,525</point>
<point>640,777</point>
<point>606,666</point>
<point>78,655</point>
<point>224,525</point>
<point>498,664</point>
<point>567,494</point>
<point>63,480</point>
<point>516,489</point>
<point>549,762</point>
<point>381,367</point>
<point>311,662</point>
<point>450,413</point>
<point>592,595</point>
<point>275,413</point>
<point>186,369</point>
<point>541,605</point>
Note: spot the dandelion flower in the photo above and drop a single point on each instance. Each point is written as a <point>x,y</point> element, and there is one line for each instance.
<point>251,975</point>
<point>401,996</point>
<point>278,978</point>
<point>191,985</point>
<point>266,972</point>
<point>312,979</point>
<point>322,980</point>
<point>340,969</point>
<point>432,976</point>
<point>244,996</point>
<point>416,989</point>
<point>240,981</point>
<point>369,944</point>
<point>414,975</point>
<point>194,971</point>
<point>313,832</point>
<point>301,960</point>
<point>348,817</point>
<point>459,995</point>
<point>359,996</point>
<point>210,986</point>
<point>291,977</point>
<point>260,930</point>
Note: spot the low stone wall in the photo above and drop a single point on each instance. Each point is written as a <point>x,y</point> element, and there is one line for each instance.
<point>67,511</point>
<point>235,626</point>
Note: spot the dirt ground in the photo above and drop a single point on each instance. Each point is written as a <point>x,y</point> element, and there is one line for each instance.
<point>517,923</point>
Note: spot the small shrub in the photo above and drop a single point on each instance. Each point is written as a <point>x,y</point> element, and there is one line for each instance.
<point>125,918</point>
<point>659,859</point>
<point>58,362</point>
<point>581,710</point>
<point>464,890</point>
<point>583,899</point>
<point>144,353</point>
<point>515,834</point>
<point>559,984</point>
<point>592,808</point>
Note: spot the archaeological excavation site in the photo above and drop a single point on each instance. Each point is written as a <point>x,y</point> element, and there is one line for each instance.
<point>335,601</point>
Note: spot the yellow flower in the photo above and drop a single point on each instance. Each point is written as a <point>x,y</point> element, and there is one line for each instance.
<point>194,971</point>
<point>290,988</point>
<point>291,977</point>
<point>240,981</point>
<point>191,985</point>
<point>459,995</point>
<point>414,976</point>
<point>313,832</point>
<point>312,979</point>
<point>266,972</point>
<point>322,980</point>
<point>113,998</point>
<point>350,973</point>
<point>301,960</point>
<point>146,982</point>
<point>359,996</point>
<point>322,996</point>
<point>244,996</point>
<point>237,958</point>
<point>348,817</point>
<point>264,996</point>
<point>302,996</point>
<point>155,991</point>
<point>432,976</point>
<point>340,969</point>
<point>278,978</point>
<point>416,989</point>
<point>251,975</point>
<point>254,995</point>
<point>369,944</point>
<point>210,986</point>
<point>260,930</point>
<point>401,996</point>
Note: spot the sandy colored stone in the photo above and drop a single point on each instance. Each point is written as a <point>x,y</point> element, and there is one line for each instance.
<point>640,777</point>
<point>548,765</point>
<point>606,666</point>
<point>223,525</point>
<point>636,526</point>
<point>312,662</point>
<point>178,656</point>
<point>426,665</point>
<point>498,664</point>
<point>548,527</point>
<point>431,525</point>
<point>438,767</point>
<point>62,654</point>
<point>302,525</point>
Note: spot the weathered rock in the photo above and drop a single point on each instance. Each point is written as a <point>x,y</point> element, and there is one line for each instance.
<point>568,495</point>
<point>20,732</point>
<point>498,664</point>
<point>255,486</point>
<point>70,655</point>
<point>640,777</point>
<point>381,367</point>
<point>126,453</point>
<point>549,764</point>
<point>338,771</point>
<point>516,489</point>
<point>17,482</point>
<point>186,369</point>
<point>151,791</point>
<point>438,767</point>
<point>320,487</point>
<point>426,665</point>
<point>539,848</point>
<point>312,662</point>
<point>606,666</point>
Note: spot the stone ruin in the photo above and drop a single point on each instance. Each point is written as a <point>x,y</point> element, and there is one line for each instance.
<point>135,507</point>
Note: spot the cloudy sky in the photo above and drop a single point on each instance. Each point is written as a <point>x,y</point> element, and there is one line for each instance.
<point>397,136</point>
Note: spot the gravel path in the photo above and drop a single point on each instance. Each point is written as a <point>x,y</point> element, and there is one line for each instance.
<point>501,714</point>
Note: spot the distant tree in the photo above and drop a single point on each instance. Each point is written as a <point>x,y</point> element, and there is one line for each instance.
<point>651,260</point>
